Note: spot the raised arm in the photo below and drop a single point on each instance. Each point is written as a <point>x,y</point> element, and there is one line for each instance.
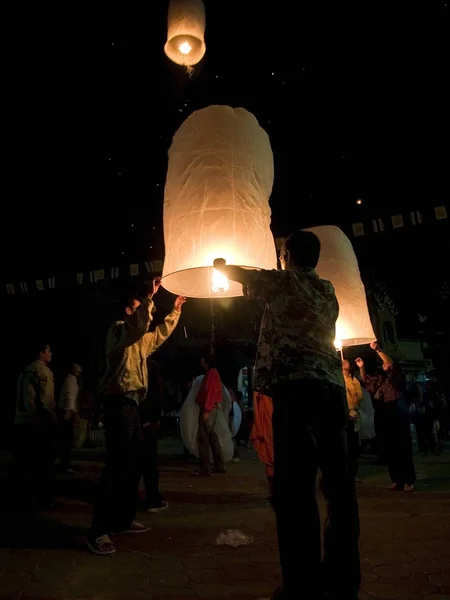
<point>125,334</point>
<point>154,339</point>
<point>261,284</point>
<point>387,360</point>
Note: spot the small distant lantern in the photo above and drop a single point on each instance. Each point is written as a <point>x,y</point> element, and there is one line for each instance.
<point>186,32</point>
<point>338,264</point>
<point>216,202</point>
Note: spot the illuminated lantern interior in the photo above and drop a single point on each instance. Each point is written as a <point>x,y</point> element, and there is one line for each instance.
<point>338,264</point>
<point>216,202</point>
<point>185,32</point>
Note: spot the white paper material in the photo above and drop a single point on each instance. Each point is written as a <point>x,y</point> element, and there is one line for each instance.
<point>216,201</point>
<point>338,264</point>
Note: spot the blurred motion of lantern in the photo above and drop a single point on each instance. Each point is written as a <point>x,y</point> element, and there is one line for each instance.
<point>186,32</point>
<point>338,264</point>
<point>216,202</point>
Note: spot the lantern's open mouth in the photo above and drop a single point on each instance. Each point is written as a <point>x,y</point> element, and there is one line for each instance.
<point>220,283</point>
<point>185,48</point>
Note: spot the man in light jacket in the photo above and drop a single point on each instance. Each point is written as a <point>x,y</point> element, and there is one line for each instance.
<point>123,387</point>
<point>67,415</point>
<point>33,461</point>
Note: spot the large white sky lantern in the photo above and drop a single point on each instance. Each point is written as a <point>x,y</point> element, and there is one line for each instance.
<point>338,264</point>
<point>216,202</point>
<point>185,32</point>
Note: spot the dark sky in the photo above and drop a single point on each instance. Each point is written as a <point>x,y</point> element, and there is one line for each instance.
<point>353,101</point>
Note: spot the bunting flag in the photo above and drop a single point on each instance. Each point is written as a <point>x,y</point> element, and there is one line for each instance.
<point>398,221</point>
<point>154,267</point>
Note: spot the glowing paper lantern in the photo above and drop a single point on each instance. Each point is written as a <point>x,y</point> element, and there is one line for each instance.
<point>216,202</point>
<point>185,32</point>
<point>338,264</point>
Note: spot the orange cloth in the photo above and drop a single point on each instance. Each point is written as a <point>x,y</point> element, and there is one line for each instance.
<point>210,392</point>
<point>262,432</point>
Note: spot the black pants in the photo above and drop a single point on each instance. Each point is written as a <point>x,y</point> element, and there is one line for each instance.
<point>309,428</point>
<point>118,488</point>
<point>398,443</point>
<point>33,468</point>
<point>207,438</point>
<point>150,471</point>
<point>65,439</point>
<point>353,448</point>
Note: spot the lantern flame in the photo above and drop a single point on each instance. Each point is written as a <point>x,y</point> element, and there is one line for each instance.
<point>185,48</point>
<point>338,344</point>
<point>219,282</point>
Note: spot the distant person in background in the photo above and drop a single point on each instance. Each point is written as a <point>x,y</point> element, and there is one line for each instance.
<point>34,436</point>
<point>354,400</point>
<point>209,398</point>
<point>67,414</point>
<point>150,413</point>
<point>388,389</point>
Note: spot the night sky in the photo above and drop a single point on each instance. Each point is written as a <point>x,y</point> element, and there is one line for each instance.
<point>353,102</point>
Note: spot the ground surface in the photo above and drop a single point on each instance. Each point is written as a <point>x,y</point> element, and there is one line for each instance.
<point>405,543</point>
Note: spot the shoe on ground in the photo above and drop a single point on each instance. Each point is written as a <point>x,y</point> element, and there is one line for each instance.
<point>102,546</point>
<point>408,488</point>
<point>159,508</point>
<point>219,471</point>
<point>200,473</point>
<point>396,487</point>
<point>236,459</point>
<point>135,527</point>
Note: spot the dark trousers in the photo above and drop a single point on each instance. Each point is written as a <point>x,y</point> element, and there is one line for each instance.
<point>118,488</point>
<point>398,443</point>
<point>150,471</point>
<point>65,439</point>
<point>353,448</point>
<point>310,432</point>
<point>207,438</point>
<point>33,468</point>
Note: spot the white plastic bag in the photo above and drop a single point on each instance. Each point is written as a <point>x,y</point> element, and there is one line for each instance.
<point>233,538</point>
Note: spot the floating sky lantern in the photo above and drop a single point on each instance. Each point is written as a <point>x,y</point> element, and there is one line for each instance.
<point>338,264</point>
<point>186,32</point>
<point>216,202</point>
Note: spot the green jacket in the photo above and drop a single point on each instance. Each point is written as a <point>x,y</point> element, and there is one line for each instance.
<point>35,394</point>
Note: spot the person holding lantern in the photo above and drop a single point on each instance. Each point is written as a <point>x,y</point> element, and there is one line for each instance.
<point>298,365</point>
<point>124,386</point>
<point>388,388</point>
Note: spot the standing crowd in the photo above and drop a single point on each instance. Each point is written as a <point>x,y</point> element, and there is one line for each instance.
<point>306,400</point>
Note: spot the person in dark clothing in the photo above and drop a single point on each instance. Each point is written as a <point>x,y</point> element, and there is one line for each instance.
<point>388,388</point>
<point>124,386</point>
<point>150,413</point>
<point>297,364</point>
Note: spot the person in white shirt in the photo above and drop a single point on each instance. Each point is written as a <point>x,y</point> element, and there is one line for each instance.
<point>67,415</point>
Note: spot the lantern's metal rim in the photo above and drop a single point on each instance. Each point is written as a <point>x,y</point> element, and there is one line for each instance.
<point>357,341</point>
<point>212,295</point>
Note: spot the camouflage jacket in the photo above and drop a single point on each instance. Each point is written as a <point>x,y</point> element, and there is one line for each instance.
<point>298,328</point>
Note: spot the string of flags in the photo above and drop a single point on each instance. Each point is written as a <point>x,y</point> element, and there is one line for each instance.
<point>153,267</point>
<point>414,217</point>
